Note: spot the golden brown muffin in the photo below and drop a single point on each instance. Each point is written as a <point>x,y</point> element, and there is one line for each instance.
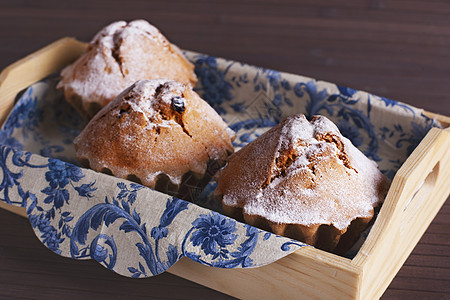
<point>119,55</point>
<point>303,180</point>
<point>159,133</point>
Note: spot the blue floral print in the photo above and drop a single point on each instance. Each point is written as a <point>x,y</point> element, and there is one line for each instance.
<point>58,176</point>
<point>213,86</point>
<point>351,132</point>
<point>59,173</point>
<point>49,235</point>
<point>214,232</point>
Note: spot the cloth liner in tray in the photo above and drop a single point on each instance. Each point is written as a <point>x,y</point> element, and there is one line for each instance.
<point>139,232</point>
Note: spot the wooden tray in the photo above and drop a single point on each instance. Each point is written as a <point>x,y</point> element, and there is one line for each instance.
<point>418,191</point>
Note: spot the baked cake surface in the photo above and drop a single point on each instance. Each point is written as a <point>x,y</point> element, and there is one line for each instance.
<point>156,130</point>
<point>119,55</point>
<point>304,180</point>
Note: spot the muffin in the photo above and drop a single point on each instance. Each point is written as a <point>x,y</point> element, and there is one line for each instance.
<point>302,179</point>
<point>119,55</point>
<point>159,133</point>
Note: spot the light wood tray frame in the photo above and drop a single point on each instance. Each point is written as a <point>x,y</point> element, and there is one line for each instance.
<point>418,191</point>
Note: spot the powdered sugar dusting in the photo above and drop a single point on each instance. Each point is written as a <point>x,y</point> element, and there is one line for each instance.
<point>144,26</point>
<point>296,130</point>
<point>105,36</point>
<point>315,176</point>
<point>119,55</point>
<point>147,131</point>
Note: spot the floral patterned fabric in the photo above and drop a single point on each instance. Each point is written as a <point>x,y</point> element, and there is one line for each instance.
<point>127,227</point>
<point>138,232</point>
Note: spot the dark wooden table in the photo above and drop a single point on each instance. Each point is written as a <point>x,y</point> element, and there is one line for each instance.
<point>398,49</point>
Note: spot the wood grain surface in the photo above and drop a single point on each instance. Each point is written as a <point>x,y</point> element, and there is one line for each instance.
<point>398,49</point>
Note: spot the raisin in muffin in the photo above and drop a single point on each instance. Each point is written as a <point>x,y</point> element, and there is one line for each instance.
<point>119,55</point>
<point>159,133</point>
<point>304,180</point>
